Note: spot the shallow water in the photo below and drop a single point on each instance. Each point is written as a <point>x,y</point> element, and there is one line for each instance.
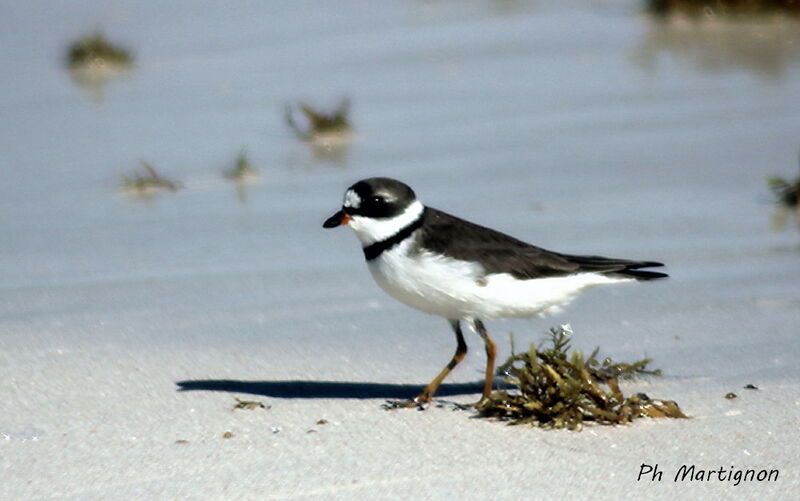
<point>581,129</point>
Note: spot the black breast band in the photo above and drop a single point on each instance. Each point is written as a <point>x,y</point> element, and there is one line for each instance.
<point>374,250</point>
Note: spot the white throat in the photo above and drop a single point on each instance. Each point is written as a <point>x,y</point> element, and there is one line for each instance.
<point>370,230</point>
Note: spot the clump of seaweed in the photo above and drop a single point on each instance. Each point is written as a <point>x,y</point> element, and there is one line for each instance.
<point>557,387</point>
<point>146,184</point>
<point>92,60</point>
<point>787,194</point>
<point>323,128</point>
<point>787,200</point>
<point>763,45</point>
<point>96,50</point>
<point>242,171</point>
<point>722,8</point>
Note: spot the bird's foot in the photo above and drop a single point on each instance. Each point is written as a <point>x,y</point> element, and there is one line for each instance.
<point>417,402</point>
<point>480,404</point>
<point>404,404</point>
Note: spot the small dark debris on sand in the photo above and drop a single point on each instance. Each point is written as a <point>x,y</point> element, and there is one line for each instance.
<point>249,405</point>
<point>558,388</point>
<point>787,201</point>
<point>96,51</point>
<point>787,193</point>
<point>242,171</point>
<point>319,422</point>
<point>146,184</point>
<point>323,127</point>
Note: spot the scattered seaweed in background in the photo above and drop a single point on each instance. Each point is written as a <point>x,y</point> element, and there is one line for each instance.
<point>146,184</point>
<point>722,8</point>
<point>249,405</point>
<point>731,395</point>
<point>243,174</point>
<point>787,201</point>
<point>556,387</point>
<point>787,194</point>
<point>715,42</point>
<point>92,60</point>
<point>750,387</point>
<point>322,128</point>
<point>242,171</point>
<point>96,50</point>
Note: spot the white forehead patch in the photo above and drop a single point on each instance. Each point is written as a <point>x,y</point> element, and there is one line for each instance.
<point>352,200</point>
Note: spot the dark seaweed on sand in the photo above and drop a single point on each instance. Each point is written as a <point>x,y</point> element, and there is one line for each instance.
<point>249,405</point>
<point>722,8</point>
<point>147,183</point>
<point>787,193</point>
<point>787,201</point>
<point>242,170</point>
<point>557,387</point>
<point>321,123</point>
<point>94,49</point>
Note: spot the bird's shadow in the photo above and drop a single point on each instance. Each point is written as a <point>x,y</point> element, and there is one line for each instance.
<point>325,389</point>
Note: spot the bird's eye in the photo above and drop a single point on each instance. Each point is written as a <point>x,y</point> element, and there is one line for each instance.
<point>378,200</point>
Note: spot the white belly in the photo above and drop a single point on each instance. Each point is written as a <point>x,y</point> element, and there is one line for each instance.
<point>458,289</point>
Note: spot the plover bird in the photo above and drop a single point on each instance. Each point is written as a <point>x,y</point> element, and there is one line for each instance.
<point>464,272</point>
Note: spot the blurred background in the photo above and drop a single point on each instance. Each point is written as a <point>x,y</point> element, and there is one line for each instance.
<point>582,126</point>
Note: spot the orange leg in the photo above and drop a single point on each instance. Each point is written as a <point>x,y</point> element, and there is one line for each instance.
<point>461,351</point>
<point>491,351</point>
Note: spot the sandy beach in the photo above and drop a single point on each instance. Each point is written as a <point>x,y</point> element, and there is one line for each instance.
<point>129,328</point>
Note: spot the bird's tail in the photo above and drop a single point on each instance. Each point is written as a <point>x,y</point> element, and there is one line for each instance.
<point>642,274</point>
<point>619,267</point>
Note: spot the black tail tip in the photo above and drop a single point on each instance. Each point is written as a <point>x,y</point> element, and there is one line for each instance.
<point>644,275</point>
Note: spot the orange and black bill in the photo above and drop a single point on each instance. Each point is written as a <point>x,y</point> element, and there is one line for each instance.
<point>340,218</point>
